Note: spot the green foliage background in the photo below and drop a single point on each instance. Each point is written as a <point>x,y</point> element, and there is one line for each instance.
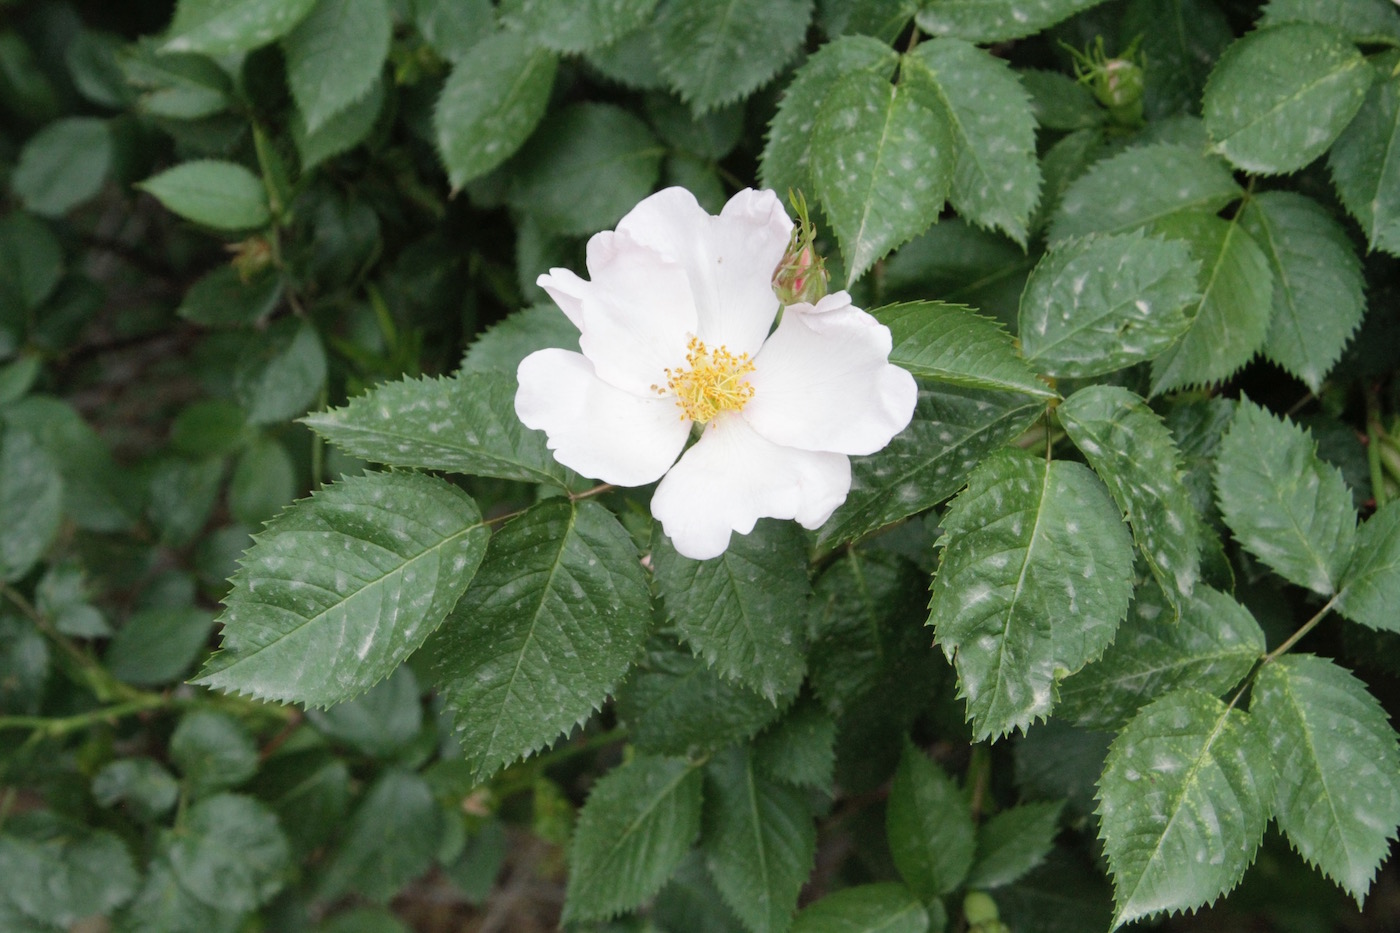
<point>300,629</point>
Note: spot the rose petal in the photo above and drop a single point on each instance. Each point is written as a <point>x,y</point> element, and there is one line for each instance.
<point>637,313</point>
<point>595,428</point>
<point>567,290</point>
<point>729,259</point>
<point>732,477</point>
<point>823,381</point>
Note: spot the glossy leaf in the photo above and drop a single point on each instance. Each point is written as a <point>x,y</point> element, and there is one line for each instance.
<point>1281,95</point>
<point>223,195</point>
<point>574,26</point>
<point>1185,794</point>
<point>491,102</point>
<point>1366,175</point>
<point>1362,20</point>
<point>952,430</point>
<point>1370,587</point>
<point>1034,577</point>
<point>1100,304</point>
<point>1284,504</point>
<point>223,27</point>
<point>335,55</point>
<point>956,345</point>
<point>800,749</point>
<point>1211,647</point>
<point>1318,301</point>
<point>713,52</point>
<point>1142,185</point>
<point>372,563</point>
<point>988,21</point>
<point>390,839</point>
<point>1133,453</point>
<point>1337,792</point>
<point>929,826</point>
<point>343,131</point>
<point>759,841</point>
<point>1013,842</point>
<point>637,825</point>
<point>1231,321</point>
<point>996,181</point>
<point>464,424</point>
<point>554,619</point>
<point>786,162</point>
<point>866,908</point>
<point>743,611</point>
<point>1180,40</point>
<point>882,164</point>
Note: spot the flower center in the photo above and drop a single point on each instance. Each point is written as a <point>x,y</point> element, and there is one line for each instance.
<point>711,382</point>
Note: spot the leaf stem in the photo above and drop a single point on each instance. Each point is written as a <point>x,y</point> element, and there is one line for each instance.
<point>1293,639</point>
<point>595,491</point>
<point>63,725</point>
<point>1374,440</point>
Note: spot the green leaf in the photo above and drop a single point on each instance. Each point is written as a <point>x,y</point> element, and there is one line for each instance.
<point>556,616</point>
<point>141,784</point>
<point>1013,842</point>
<point>1132,451</point>
<point>575,26</point>
<point>1284,504</point>
<point>62,880</point>
<point>1370,587</point>
<point>1211,647</point>
<point>801,749</point>
<point>264,481</point>
<point>279,375</point>
<point>996,182</point>
<point>1337,791</point>
<point>588,165</point>
<point>1103,303</point>
<point>952,429</point>
<point>371,564</point>
<point>223,195</point>
<point>1034,577</point>
<point>178,87</point>
<point>378,722</point>
<point>759,841</point>
<point>63,165</point>
<point>956,345</point>
<point>230,853</point>
<point>334,55</point>
<point>1318,301</point>
<point>223,299</point>
<point>866,908</point>
<point>493,99</point>
<point>1181,40</point>
<point>501,348</point>
<point>158,645</point>
<point>989,21</point>
<point>1142,185</point>
<point>637,825</point>
<point>341,132</point>
<point>882,164</point>
<point>1361,20</point>
<point>929,825</point>
<point>714,52</point>
<point>743,611</point>
<point>31,502</point>
<point>786,162</point>
<point>452,27</point>
<point>1059,102</point>
<point>165,904</point>
<point>310,793</point>
<point>465,424</point>
<point>391,839</point>
<point>223,27</point>
<point>675,704</point>
<point>213,751</point>
<point>1231,321</point>
<point>1281,95</point>
<point>882,19</point>
<point>1183,802</point>
<point>1365,174</point>
<point>31,258</point>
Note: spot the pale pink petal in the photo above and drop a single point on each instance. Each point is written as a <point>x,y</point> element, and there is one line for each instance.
<point>567,290</point>
<point>823,381</point>
<point>732,477</point>
<point>637,313</point>
<point>594,428</point>
<point>729,259</point>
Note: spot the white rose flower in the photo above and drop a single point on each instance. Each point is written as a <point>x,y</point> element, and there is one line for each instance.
<point>675,326</point>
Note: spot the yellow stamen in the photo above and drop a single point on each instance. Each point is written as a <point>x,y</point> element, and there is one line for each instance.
<point>711,382</point>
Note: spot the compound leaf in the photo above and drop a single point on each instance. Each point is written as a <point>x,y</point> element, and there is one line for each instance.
<point>554,619</point>
<point>1034,577</point>
<point>340,588</point>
